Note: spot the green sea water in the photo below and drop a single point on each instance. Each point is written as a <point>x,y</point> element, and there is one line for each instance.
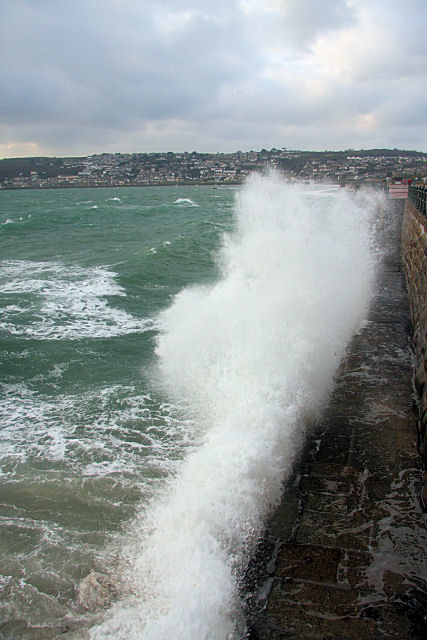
<point>86,434</point>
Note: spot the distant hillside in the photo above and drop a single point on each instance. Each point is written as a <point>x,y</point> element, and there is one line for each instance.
<point>140,169</point>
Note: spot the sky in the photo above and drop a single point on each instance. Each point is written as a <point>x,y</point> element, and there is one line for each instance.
<point>89,76</point>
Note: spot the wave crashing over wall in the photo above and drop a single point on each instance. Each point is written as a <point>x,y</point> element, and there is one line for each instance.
<point>253,357</point>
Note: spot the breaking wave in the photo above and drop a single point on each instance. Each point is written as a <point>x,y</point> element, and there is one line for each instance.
<point>59,302</point>
<point>253,356</point>
<point>186,201</point>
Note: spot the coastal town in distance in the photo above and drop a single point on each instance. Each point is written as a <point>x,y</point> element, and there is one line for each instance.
<point>347,168</point>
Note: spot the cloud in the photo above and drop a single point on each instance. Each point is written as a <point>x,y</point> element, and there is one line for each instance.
<point>303,22</point>
<point>385,43</point>
<point>79,77</point>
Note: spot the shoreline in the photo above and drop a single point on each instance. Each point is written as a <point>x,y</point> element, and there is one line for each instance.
<point>121,186</point>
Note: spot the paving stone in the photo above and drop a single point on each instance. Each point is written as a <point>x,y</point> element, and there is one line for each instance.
<point>335,530</point>
<point>308,562</point>
<point>281,526</point>
<point>332,502</point>
<point>316,482</point>
<point>353,570</point>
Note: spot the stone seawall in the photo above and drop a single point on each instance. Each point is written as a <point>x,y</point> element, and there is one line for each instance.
<point>347,548</point>
<point>414,258</point>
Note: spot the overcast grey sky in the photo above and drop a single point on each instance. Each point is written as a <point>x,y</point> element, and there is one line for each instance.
<point>86,76</point>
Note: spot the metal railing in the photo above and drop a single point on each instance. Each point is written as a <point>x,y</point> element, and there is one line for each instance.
<point>418,197</point>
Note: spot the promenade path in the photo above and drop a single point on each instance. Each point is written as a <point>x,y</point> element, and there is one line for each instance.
<point>349,540</point>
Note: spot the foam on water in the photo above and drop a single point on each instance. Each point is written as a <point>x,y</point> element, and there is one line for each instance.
<point>123,430</point>
<point>253,356</point>
<point>64,302</point>
<point>186,201</point>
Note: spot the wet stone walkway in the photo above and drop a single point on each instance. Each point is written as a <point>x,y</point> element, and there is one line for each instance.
<point>349,540</point>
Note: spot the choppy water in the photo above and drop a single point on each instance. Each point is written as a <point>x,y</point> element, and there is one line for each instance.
<point>162,351</point>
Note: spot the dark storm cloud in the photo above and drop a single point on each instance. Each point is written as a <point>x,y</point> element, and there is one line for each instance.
<point>77,77</point>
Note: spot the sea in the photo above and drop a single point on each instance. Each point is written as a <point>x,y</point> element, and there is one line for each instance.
<point>163,352</point>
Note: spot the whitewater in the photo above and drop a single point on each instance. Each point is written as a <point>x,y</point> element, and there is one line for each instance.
<point>252,358</point>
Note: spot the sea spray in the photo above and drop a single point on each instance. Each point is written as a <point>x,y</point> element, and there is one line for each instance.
<point>253,358</point>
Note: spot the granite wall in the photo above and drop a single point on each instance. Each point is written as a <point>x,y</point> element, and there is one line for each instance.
<point>414,257</point>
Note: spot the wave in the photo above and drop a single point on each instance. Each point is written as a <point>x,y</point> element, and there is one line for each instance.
<point>253,356</point>
<point>102,431</point>
<point>58,302</point>
<point>187,201</point>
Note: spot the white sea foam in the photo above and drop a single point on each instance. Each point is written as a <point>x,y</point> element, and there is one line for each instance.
<point>114,430</point>
<point>186,201</point>
<point>254,357</point>
<point>67,302</point>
